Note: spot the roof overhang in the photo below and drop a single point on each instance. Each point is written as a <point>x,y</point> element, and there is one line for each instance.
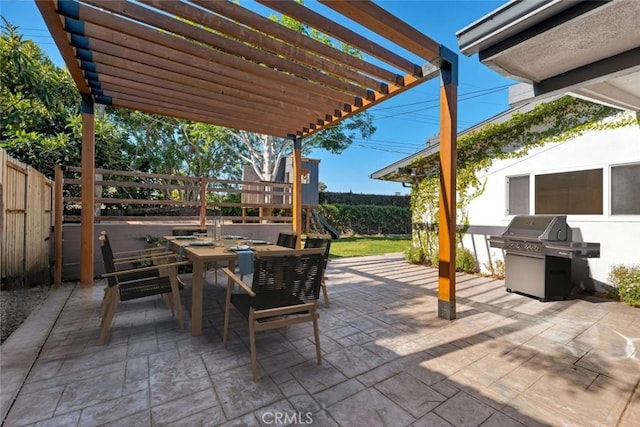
<point>403,170</point>
<point>590,49</point>
<point>221,63</point>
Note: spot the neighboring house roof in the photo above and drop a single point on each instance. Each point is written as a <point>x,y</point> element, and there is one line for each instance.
<point>400,171</point>
<point>590,49</point>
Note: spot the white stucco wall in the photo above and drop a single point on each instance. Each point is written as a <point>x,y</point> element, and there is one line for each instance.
<point>618,235</point>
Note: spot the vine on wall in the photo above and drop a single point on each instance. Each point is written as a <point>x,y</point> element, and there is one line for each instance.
<point>551,122</point>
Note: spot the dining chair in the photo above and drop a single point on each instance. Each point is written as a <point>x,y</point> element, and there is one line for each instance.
<point>288,240</point>
<point>321,241</point>
<point>134,254</point>
<point>187,230</point>
<point>161,278</point>
<point>283,292</point>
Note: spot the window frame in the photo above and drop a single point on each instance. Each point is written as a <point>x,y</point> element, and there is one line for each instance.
<point>543,209</point>
<point>508,194</point>
<point>610,190</point>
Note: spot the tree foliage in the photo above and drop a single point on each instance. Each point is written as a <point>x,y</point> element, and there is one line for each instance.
<point>180,147</point>
<point>37,102</point>
<point>41,124</point>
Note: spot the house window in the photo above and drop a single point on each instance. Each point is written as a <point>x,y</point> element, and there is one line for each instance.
<point>518,195</point>
<point>578,192</point>
<point>625,189</point>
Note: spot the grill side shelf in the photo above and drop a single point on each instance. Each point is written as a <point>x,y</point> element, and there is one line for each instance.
<point>574,250</point>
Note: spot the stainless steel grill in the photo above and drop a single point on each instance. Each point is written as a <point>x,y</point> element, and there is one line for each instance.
<point>538,251</point>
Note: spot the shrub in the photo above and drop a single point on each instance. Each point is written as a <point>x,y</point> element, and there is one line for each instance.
<point>465,260</point>
<point>627,280</point>
<point>415,255</point>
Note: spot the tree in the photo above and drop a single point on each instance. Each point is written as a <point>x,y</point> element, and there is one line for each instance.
<point>41,123</point>
<point>263,152</point>
<point>37,101</point>
<point>180,147</point>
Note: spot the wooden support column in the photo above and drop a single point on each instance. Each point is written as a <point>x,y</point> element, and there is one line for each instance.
<point>58,205</point>
<point>448,155</point>
<point>87,180</point>
<point>203,203</point>
<point>297,188</point>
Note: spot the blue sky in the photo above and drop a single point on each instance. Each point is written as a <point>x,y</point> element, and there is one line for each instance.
<point>404,122</point>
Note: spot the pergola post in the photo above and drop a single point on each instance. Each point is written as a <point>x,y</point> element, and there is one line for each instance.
<point>58,203</point>
<point>88,191</point>
<point>448,155</point>
<point>297,188</point>
<point>203,203</point>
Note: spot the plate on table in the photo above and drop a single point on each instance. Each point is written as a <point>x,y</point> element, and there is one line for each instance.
<point>260,242</point>
<point>202,243</point>
<point>184,237</point>
<point>232,237</point>
<point>240,248</point>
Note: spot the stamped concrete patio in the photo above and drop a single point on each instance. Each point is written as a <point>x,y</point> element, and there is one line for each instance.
<point>507,360</point>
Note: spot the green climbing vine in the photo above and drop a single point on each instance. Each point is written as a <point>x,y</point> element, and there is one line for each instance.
<point>551,122</point>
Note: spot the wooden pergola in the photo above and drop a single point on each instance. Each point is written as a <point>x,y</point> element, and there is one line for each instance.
<point>218,62</point>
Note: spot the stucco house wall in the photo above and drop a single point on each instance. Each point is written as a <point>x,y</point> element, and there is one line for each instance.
<point>618,235</point>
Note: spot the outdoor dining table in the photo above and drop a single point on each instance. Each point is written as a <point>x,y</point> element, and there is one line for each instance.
<point>200,253</point>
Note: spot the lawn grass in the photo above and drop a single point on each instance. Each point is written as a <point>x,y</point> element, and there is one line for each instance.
<point>368,245</point>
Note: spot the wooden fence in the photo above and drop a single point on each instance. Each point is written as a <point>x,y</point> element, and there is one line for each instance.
<point>137,196</point>
<point>26,216</point>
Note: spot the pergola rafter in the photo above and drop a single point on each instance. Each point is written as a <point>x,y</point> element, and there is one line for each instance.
<point>221,63</point>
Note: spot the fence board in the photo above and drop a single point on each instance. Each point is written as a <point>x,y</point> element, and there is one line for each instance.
<point>25,249</point>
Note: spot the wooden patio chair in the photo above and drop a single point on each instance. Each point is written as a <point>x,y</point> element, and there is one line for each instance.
<point>187,230</point>
<point>321,241</point>
<point>132,283</point>
<point>288,240</point>
<point>284,291</point>
<point>135,255</point>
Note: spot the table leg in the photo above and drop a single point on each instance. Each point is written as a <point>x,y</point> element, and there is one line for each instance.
<point>232,267</point>
<point>196,298</point>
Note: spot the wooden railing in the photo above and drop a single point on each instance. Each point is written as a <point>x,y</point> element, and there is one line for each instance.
<point>158,197</point>
<point>26,215</point>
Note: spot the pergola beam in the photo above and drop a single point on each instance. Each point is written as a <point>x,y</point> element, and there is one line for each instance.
<point>332,74</point>
<point>127,78</point>
<point>239,93</point>
<point>315,20</point>
<point>253,20</point>
<point>382,22</point>
<point>61,38</point>
<point>153,55</point>
<point>119,87</point>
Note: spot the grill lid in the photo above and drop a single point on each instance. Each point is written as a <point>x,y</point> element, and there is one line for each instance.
<point>538,228</point>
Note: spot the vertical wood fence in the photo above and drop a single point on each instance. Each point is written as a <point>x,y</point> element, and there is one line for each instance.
<point>26,215</point>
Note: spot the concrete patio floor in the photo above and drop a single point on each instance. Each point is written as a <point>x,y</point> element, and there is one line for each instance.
<point>507,360</point>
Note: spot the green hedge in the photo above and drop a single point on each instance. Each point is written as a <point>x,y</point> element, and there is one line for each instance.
<point>368,219</point>
<point>330,198</point>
